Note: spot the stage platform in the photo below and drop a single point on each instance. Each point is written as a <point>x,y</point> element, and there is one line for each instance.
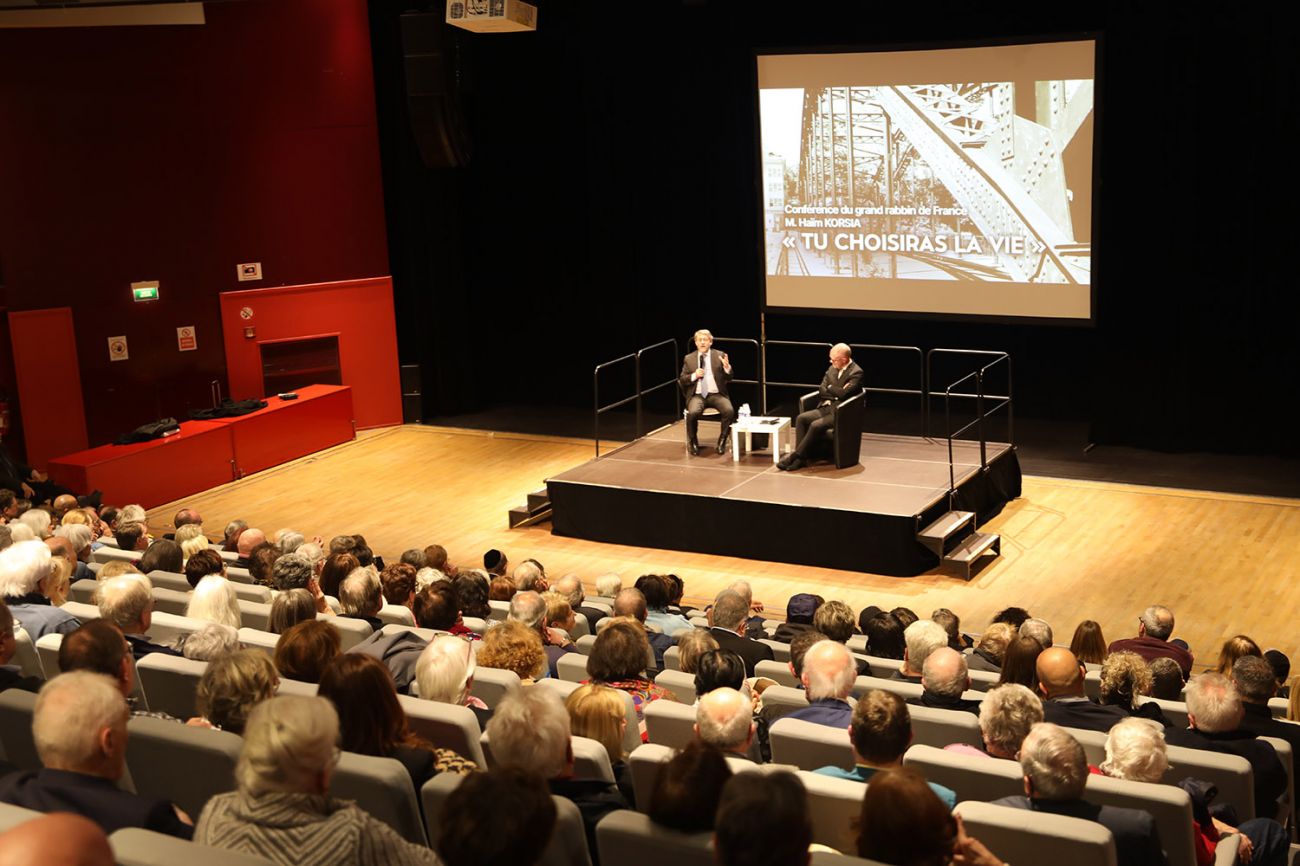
<point>651,493</point>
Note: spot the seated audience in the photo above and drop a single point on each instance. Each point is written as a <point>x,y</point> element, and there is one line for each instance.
<point>436,557</point>
<point>1012,616</point>
<point>231,686</point>
<point>944,677</point>
<point>952,624</point>
<point>495,563</point>
<point>1039,630</point>
<point>39,521</point>
<point>27,582</point>
<point>1056,772</point>
<point>905,616</point>
<point>230,537</point>
<point>303,650</point>
<point>359,598</point>
<point>214,600</point>
<point>1088,643</point>
<point>559,613</point>
<point>499,818</point>
<point>501,589</point>
<point>920,639</point>
<point>1255,682</point>
<point>1007,714</point>
<point>1060,681</point>
<point>282,810</point>
<point>261,563</point>
<point>728,617</point>
<point>835,620</point>
<point>885,636</point>
<point>719,669</point>
<point>1281,666</point>
<point>12,677</point>
<point>1167,679</point>
<point>608,585</point>
<point>130,535</point>
<point>249,540</point>
<point>1125,679</point>
<point>799,613</point>
<point>762,819</point>
<point>127,603</point>
<point>529,731</point>
<point>372,721</point>
<point>1020,663</point>
<point>337,567</point>
<point>209,642</point>
<point>162,555</point>
<point>655,590</point>
<point>570,586</point>
<point>445,673</point>
<point>1155,625</point>
<point>529,609</point>
<point>290,608</point>
<point>397,583</point>
<point>1135,750</point>
<point>905,824</point>
<point>691,646</point>
<point>79,728</point>
<point>472,594</point>
<point>686,793</point>
<point>631,603</point>
<point>600,713</point>
<point>513,646</point>
<point>98,647</point>
<point>880,732</point>
<point>203,563</point>
<point>191,540</point>
<point>1234,648</point>
<point>618,660</point>
<point>724,719</point>
<point>530,576</point>
<point>828,676</point>
<point>437,607</point>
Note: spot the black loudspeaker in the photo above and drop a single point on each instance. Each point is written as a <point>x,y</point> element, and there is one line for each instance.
<point>410,379</point>
<point>412,402</point>
<point>434,80</point>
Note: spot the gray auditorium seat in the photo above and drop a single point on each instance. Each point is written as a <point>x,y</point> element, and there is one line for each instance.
<point>265,641</point>
<point>584,644</point>
<point>168,580</point>
<point>581,628</point>
<point>493,684</point>
<point>252,592</point>
<point>1175,711</point>
<point>170,601</point>
<point>26,657</point>
<point>47,648</point>
<point>83,591</point>
<point>982,681</point>
<point>83,612</point>
<point>474,624</point>
<point>1022,836</point>
<point>780,651</point>
<point>681,685</point>
<point>779,671</point>
<point>296,687</point>
<point>672,659</point>
<point>166,627</point>
<point>383,788</point>
<point>397,614</point>
<point>810,746</point>
<point>572,667</point>
<point>16,707</point>
<point>834,805</point>
<point>12,816</point>
<point>499,610</point>
<point>934,727</point>
<point>568,845</point>
<point>184,764</point>
<point>445,725</point>
<point>254,614</point>
<point>351,631</point>
<point>669,724</point>
<point>902,688</point>
<point>135,847</point>
<point>971,776</point>
<point>170,682</point>
<point>1169,805</point>
<point>630,837</point>
<point>784,698</point>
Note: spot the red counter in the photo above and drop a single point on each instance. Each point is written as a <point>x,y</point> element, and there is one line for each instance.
<point>205,454</point>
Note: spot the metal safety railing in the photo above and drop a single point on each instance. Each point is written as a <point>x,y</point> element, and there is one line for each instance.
<point>981,413</point>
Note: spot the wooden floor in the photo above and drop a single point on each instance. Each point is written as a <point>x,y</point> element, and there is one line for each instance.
<point>1072,550</point>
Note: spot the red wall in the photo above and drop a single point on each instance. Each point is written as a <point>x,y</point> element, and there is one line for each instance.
<point>360,312</point>
<point>174,153</point>
<point>48,383</point>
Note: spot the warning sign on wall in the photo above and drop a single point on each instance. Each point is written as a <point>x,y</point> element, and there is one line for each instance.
<point>186,341</point>
<point>117,349</point>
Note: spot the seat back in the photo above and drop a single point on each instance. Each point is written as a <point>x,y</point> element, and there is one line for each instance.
<point>982,681</point>
<point>397,614</point>
<point>252,592</point>
<point>184,764</point>
<point>572,667</point>
<point>12,816</point>
<point>834,805</point>
<point>630,837</point>
<point>83,612</point>
<point>1285,756</point>
<point>384,788</point>
<point>133,846</point>
<point>847,434</point>
<point>590,760</point>
<point>903,688</point>
<point>171,601</point>
<point>780,651</point>
<point>933,727</point>
<point>673,659</point>
<point>445,725</point>
<point>239,575</point>
<point>254,614</point>
<point>971,776</point>
<point>26,657</point>
<point>1092,684</point>
<point>493,684</point>
<point>784,699</point>
<point>778,671</point>
<point>581,628</point>
<point>167,580</point>
<point>251,638</point>
<point>83,591</point>
<point>681,685</point>
<point>1022,836</point>
<point>1279,707</point>
<point>669,724</point>
<point>1169,805</point>
<point>1175,711</point>
<point>810,746</point>
<point>47,648</point>
<point>351,631</point>
<point>500,610</point>
<point>110,554</point>
<point>166,627</point>
<point>632,728</point>
<point>170,682</point>
<point>584,644</point>
<point>297,687</point>
<point>16,708</point>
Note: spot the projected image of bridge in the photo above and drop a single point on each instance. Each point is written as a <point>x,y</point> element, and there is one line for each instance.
<point>934,182</point>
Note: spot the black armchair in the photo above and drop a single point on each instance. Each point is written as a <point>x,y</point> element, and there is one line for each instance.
<point>846,435</point>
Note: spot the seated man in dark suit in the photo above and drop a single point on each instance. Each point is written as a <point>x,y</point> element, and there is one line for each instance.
<point>79,727</point>
<point>1214,722</point>
<point>943,679</point>
<point>703,380</point>
<point>842,381</point>
<point>1256,683</point>
<point>728,618</point>
<point>127,603</point>
<point>1056,773</point>
<point>1060,679</point>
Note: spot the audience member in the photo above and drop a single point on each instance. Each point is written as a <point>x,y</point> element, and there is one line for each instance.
<point>27,583</point>
<point>79,728</point>
<point>753,622</point>
<point>559,613</point>
<point>570,586</point>
<point>728,618</point>
<point>501,589</point>
<point>214,600</point>
<point>921,638</point>
<point>1007,714</point>
<point>372,721</point>
<point>290,608</point>
<point>835,620</point>
<point>303,650</point>
<point>1125,680</point>
<point>1012,616</point>
<point>632,604</point>
<point>618,660</point>
<point>231,686</point>
<point>337,567</point>
<point>359,598</point>
<point>282,810</point>
<point>1020,663</point>
<point>201,564</point>
<point>210,641</point>
<point>130,536</point>
<point>990,649</point>
<point>513,646</point>
<point>529,609</point>
<point>880,731</point>
<point>1253,677</point>
<point>828,676</point>
<point>1088,643</point>
<point>472,593</point>
<point>397,584</point>
<point>495,563</point>
<point>162,555</point>
<point>1234,648</point>
<point>11,677</point>
<point>499,818</point>
<point>691,646</point>
<point>1039,630</point>
<point>39,521</point>
<point>903,822</point>
<point>127,603</point>
<point>608,585</point>
<point>445,673</point>
<point>261,563</point>
<point>905,616</point>
<point>600,713</point>
<point>530,576</point>
<point>1155,625</point>
<point>1167,679</point>
<point>249,540</point>
<point>63,838</point>
<point>944,678</point>
<point>763,819</point>
<point>1060,680</point>
<point>719,669</point>
<point>689,786</point>
<point>952,624</point>
<point>655,590</point>
<point>1281,666</point>
<point>799,613</point>
<point>885,637</point>
<point>724,718</point>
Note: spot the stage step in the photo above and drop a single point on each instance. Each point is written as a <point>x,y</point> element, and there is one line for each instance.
<point>941,535</point>
<point>537,509</point>
<point>972,548</point>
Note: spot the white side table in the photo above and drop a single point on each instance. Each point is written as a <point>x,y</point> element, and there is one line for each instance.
<point>778,428</point>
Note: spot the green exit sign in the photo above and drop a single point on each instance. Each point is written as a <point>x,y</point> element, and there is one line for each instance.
<point>147,291</point>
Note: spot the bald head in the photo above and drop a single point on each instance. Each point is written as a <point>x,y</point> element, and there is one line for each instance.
<point>945,673</point>
<point>570,586</point>
<point>58,838</point>
<point>64,503</point>
<point>630,602</point>
<point>828,671</point>
<point>1059,673</point>
<point>725,718</point>
<point>64,548</point>
<point>248,539</point>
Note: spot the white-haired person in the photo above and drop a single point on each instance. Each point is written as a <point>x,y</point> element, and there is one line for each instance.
<point>724,719</point>
<point>944,677</point>
<point>1007,714</point>
<point>191,539</point>
<point>81,538</point>
<point>920,639</point>
<point>1136,751</point>
<point>127,602</point>
<point>282,810</point>
<point>445,673</point>
<point>215,600</point>
<point>828,675</point>
<point>39,521</point>
<point>79,728</point>
<point>608,585</point>
<point>27,583</point>
<point>209,642</point>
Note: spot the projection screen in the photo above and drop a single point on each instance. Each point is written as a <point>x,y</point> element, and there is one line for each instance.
<point>954,181</point>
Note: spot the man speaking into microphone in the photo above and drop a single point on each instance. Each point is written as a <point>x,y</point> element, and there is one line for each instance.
<point>703,380</point>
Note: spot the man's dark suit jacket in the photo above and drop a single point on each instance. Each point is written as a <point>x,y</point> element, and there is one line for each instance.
<point>751,651</point>
<point>840,385</point>
<point>1270,776</point>
<point>1137,841</point>
<point>945,702</point>
<point>691,363</point>
<point>1082,713</point>
<point>1260,722</point>
<point>98,799</point>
